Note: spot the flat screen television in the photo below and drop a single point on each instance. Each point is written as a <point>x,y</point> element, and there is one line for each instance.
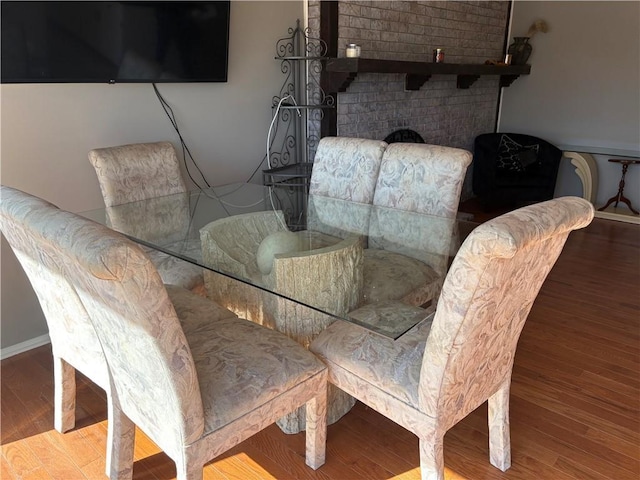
<point>127,41</point>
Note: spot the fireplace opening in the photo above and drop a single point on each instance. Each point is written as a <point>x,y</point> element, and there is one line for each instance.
<point>404,136</point>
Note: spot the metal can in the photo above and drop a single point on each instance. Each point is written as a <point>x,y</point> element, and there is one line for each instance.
<point>438,55</point>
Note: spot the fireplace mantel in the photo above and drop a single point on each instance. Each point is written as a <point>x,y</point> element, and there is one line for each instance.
<point>340,72</point>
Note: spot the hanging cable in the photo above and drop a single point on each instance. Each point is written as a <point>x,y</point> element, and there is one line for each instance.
<point>208,190</point>
<point>185,149</point>
<point>273,120</point>
<point>268,153</point>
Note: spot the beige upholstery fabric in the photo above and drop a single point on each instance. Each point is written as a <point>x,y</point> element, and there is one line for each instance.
<point>129,173</point>
<point>422,178</point>
<point>142,171</point>
<point>196,389</point>
<point>425,179</point>
<point>163,221</point>
<point>73,340</point>
<point>444,368</point>
<point>337,217</point>
<point>346,168</point>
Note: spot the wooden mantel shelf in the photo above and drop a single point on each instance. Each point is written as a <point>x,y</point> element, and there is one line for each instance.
<point>342,71</point>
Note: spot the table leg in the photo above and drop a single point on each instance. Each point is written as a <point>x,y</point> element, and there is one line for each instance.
<point>619,197</point>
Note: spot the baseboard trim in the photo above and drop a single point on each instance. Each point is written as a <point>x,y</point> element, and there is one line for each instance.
<point>24,346</point>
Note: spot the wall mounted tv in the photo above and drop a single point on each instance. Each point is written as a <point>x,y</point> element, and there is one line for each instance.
<point>128,41</point>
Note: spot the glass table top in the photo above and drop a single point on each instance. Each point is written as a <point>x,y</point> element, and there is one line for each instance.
<point>266,250</point>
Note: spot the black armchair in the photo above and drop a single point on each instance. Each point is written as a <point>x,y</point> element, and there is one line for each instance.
<point>513,169</point>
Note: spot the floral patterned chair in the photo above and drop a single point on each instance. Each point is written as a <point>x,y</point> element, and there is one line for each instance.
<point>73,341</point>
<point>343,169</point>
<point>427,180</point>
<point>130,173</point>
<point>194,377</point>
<point>462,355</point>
<point>346,168</point>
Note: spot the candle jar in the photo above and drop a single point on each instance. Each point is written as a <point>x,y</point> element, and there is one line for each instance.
<point>353,50</point>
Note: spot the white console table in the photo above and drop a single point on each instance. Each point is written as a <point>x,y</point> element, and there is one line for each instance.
<point>587,171</point>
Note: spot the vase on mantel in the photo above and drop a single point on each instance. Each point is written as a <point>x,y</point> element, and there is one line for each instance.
<point>520,50</point>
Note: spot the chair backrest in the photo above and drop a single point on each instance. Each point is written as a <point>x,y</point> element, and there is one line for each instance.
<point>153,377</point>
<point>70,330</point>
<point>158,220</point>
<point>129,173</point>
<point>346,168</point>
<point>427,238</point>
<point>337,217</point>
<point>486,298</point>
<point>422,178</point>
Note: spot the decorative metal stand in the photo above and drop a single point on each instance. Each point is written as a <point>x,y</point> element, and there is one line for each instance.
<point>299,108</point>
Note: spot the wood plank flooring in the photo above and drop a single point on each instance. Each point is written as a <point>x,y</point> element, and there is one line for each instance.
<point>575,401</point>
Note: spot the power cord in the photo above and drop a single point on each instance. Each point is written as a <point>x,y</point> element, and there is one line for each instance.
<point>273,120</point>
<point>185,149</point>
<point>186,152</point>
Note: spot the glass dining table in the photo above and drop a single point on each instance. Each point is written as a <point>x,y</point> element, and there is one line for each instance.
<point>298,262</point>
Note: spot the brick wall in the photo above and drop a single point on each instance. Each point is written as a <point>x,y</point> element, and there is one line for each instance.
<point>377,104</point>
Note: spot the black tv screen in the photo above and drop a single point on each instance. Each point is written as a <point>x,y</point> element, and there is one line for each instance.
<point>97,41</point>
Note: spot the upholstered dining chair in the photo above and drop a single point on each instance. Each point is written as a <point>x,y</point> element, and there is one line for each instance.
<point>74,343</point>
<point>424,179</point>
<point>135,172</point>
<point>194,377</point>
<point>462,355</point>
<point>344,168</point>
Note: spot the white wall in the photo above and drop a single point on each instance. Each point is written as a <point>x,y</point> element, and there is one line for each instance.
<point>47,130</point>
<point>584,87</point>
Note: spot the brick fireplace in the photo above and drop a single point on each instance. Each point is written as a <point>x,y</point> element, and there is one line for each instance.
<point>376,104</point>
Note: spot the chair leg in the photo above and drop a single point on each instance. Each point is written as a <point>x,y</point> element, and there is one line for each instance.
<point>120,441</point>
<point>499,437</point>
<point>64,403</point>
<point>189,470</point>
<point>316,434</point>
<point>432,458</point>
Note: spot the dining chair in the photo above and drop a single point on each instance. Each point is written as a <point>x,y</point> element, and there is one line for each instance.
<point>427,180</point>
<point>344,168</point>
<point>462,355</point>
<point>74,343</point>
<point>191,375</point>
<point>142,171</point>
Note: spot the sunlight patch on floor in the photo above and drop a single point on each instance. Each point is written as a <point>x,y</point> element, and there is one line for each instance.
<point>239,465</point>
<point>415,475</point>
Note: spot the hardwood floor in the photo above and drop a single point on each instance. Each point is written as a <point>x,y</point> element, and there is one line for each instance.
<point>575,400</point>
